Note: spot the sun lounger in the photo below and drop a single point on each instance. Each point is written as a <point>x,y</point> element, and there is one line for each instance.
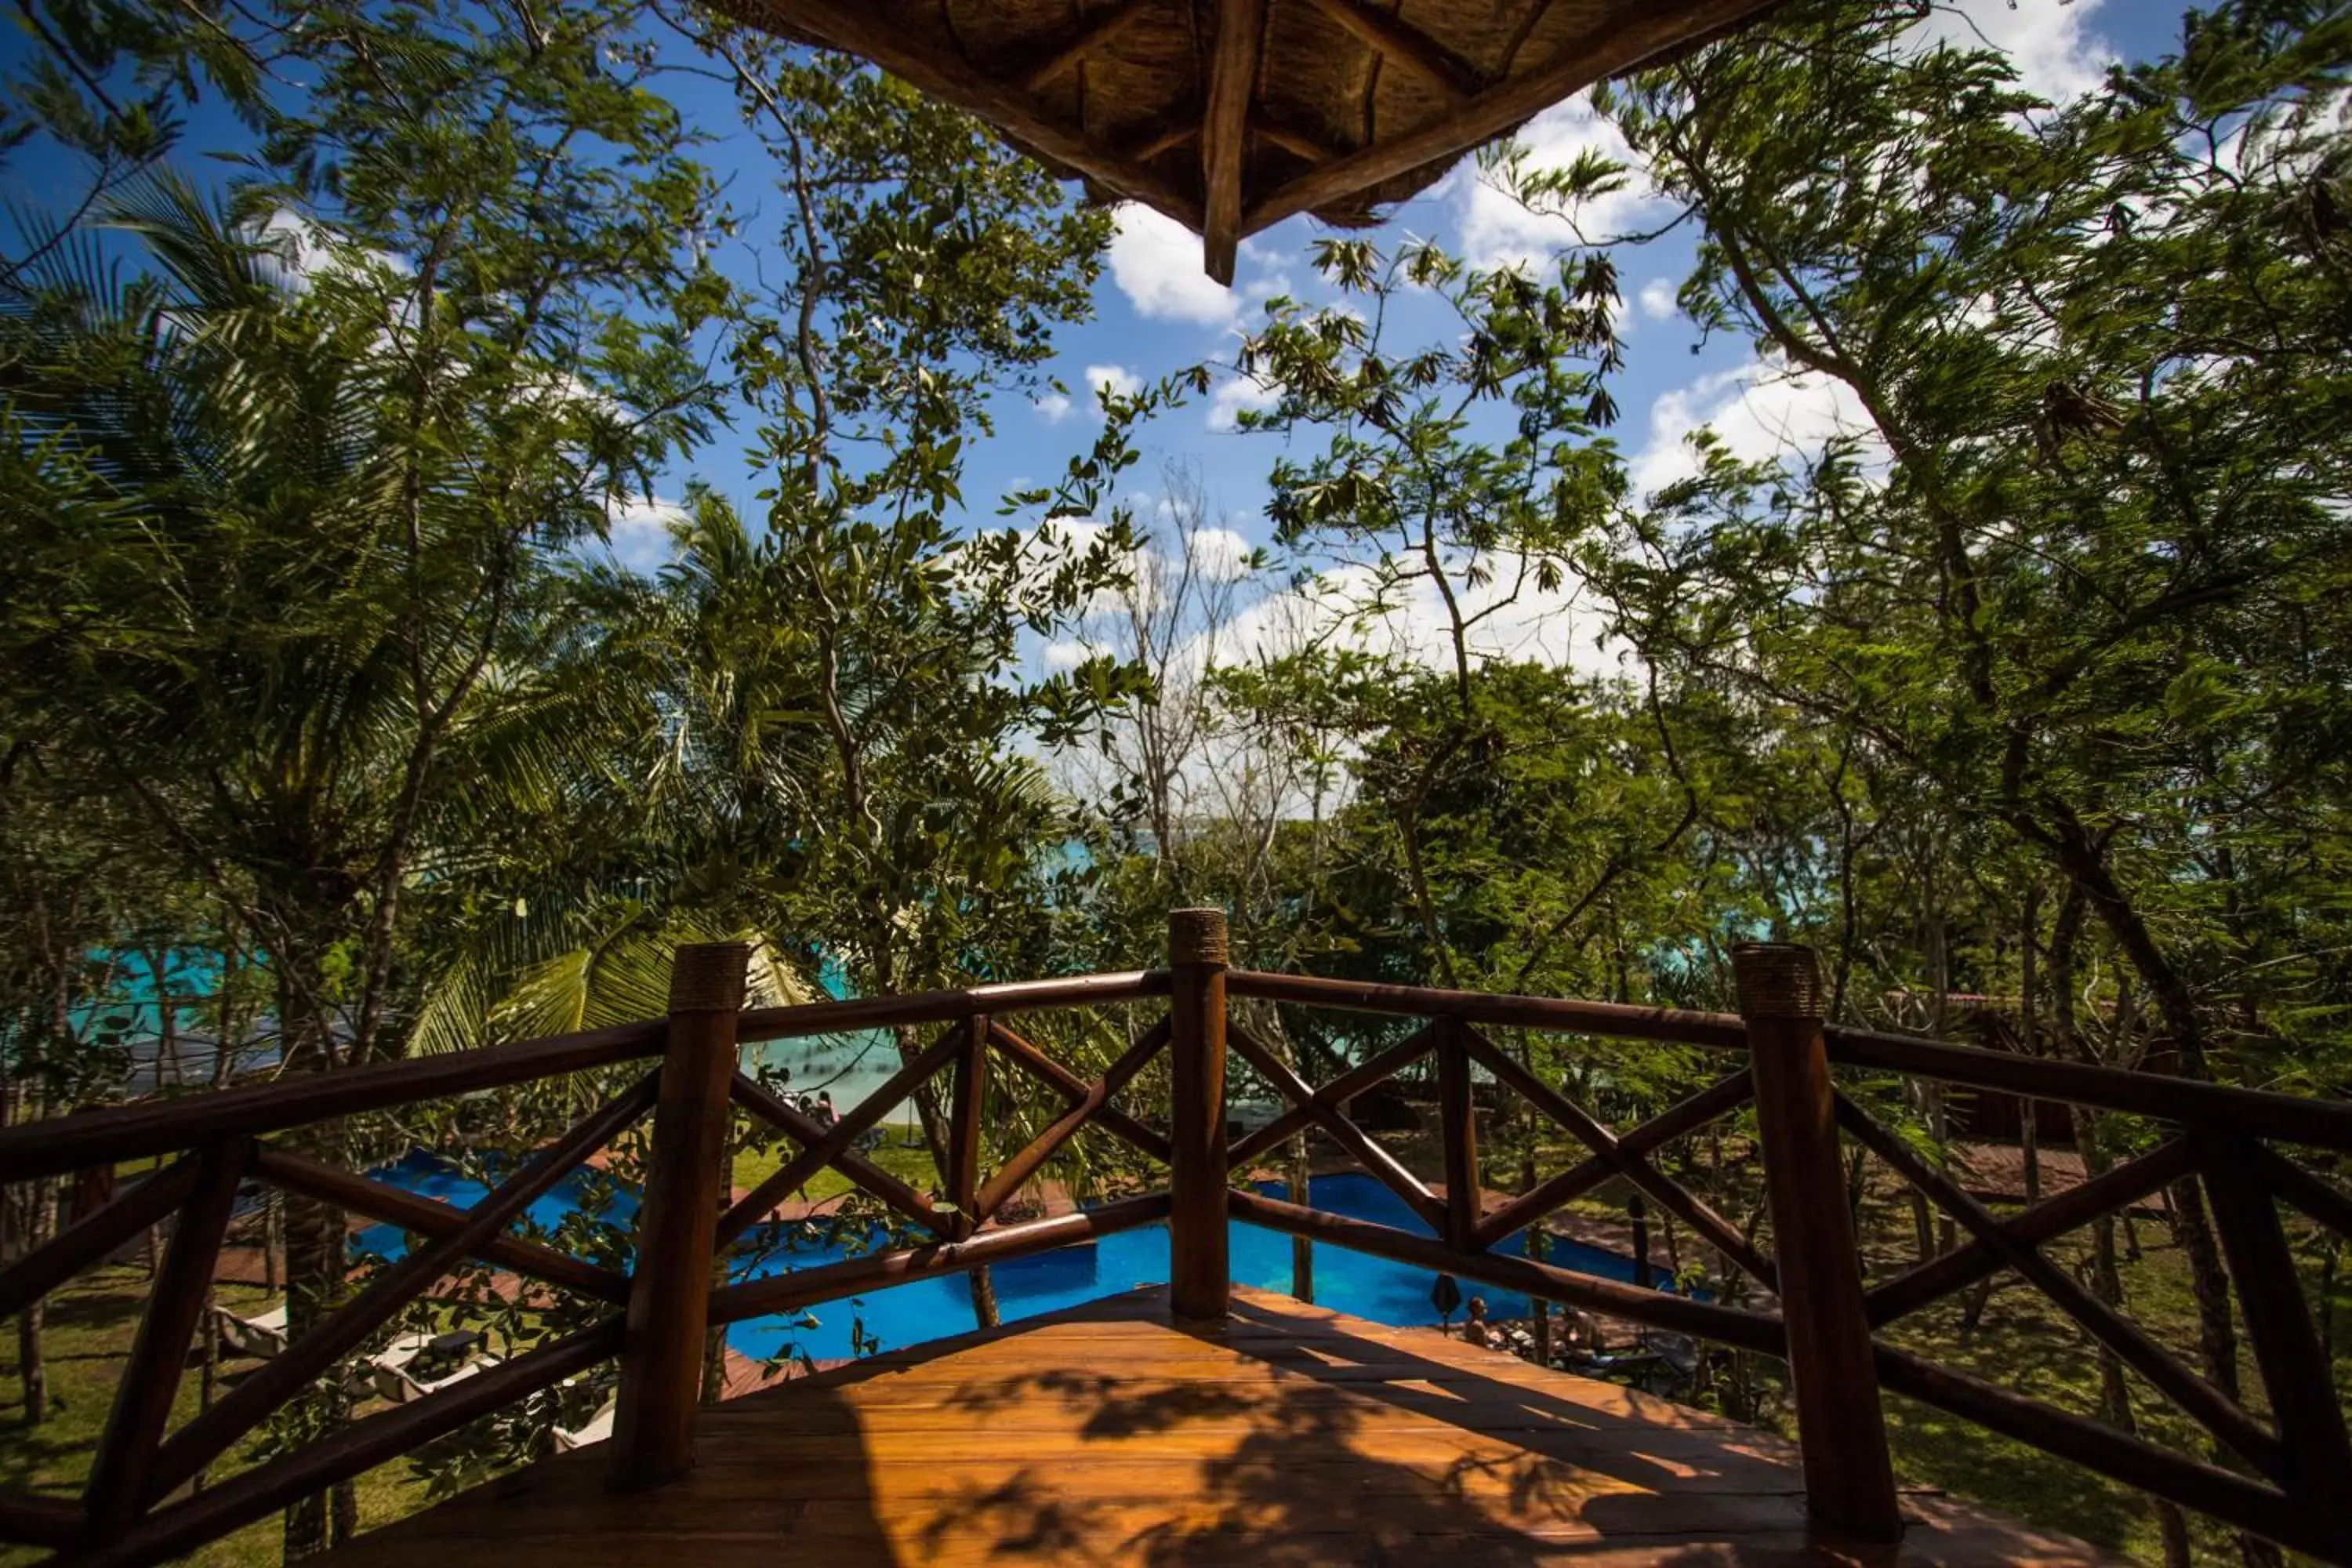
<point>414,1364</point>
<point>598,1427</point>
<point>262,1336</point>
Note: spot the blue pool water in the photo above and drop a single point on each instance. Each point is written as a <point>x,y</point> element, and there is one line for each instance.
<point>1368,1286</point>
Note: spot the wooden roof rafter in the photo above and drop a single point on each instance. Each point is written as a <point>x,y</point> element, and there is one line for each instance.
<point>1376,98</point>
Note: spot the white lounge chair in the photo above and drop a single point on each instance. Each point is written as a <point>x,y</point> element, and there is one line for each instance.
<point>598,1427</point>
<point>261,1337</point>
<point>389,1372</point>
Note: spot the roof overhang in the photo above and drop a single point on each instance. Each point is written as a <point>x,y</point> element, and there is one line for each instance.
<point>1231,115</point>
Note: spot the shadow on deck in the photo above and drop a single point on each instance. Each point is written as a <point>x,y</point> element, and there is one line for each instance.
<point>1290,1435</point>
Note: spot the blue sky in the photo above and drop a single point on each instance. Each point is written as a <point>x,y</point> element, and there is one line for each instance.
<point>1157,313</point>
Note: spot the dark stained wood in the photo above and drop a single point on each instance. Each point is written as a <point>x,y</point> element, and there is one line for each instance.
<point>774,1109</point>
<point>1286,1435</point>
<point>1343,1130</point>
<point>1717,1029</point>
<point>255,1494</point>
<point>2283,1176</point>
<point>1631,1163</point>
<point>1200,1278</point>
<point>2297,1373</point>
<point>1290,138</point>
<point>41,1520</point>
<point>2077,1205</point>
<point>1849,1477</point>
<point>67,1143</point>
<point>666,1343</point>
<point>794,1173</point>
<point>967,1105</point>
<point>374,1200</point>
<point>279,1379</point>
<point>1718,1099</point>
<point>2221,1414</point>
<point>1335,1095</point>
<point>800,1288</point>
<point>1659,1309</point>
<point>866,30</point>
<point>1405,46</point>
<point>1047,1070</point>
<point>1029,1161</point>
<point>1097,31</point>
<point>123,1472</point>
<point>1509,103</point>
<point>2252,1112</point>
<point>2224,1494</point>
<point>947,1007</point>
<point>1457,1129</point>
<point>1224,129</point>
<point>46,1267</point>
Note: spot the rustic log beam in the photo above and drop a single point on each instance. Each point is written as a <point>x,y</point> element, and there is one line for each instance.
<point>1554,1015</point>
<point>361,1447</point>
<point>1026,1163</point>
<point>1633,1164</point>
<point>376,1201</point>
<point>279,1379</point>
<point>1097,31</point>
<point>2296,1372</point>
<point>869,31</point>
<point>1718,1099</point>
<point>46,1266</point>
<point>1344,1132</point>
<point>796,1172</point>
<point>1630,38</point>
<point>802,1287</point>
<point>1224,130</point>
<point>1200,1273</point>
<point>122,1476</point>
<point>1405,44</point>
<point>1335,1095</point>
<point>1840,1426</point>
<point>805,1018</point>
<point>804,1131</point>
<point>1457,1126</point>
<point>1659,1309</point>
<point>1048,1071</point>
<point>2078,1205</point>
<point>2221,1414</point>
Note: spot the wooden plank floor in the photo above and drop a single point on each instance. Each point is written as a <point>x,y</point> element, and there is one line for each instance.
<point>1295,1436</point>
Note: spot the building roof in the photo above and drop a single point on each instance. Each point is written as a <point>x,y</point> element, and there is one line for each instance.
<point>1231,115</point>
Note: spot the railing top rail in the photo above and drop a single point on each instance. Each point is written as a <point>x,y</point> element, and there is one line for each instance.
<point>2254,1112</point>
<point>947,1006</point>
<point>64,1144</point>
<point>1722,1031</point>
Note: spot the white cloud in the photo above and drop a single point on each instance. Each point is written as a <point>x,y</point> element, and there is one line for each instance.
<point>1053,408</point>
<point>1219,554</point>
<point>2058,56</point>
<point>1657,299</point>
<point>1066,655</point>
<point>1156,262</point>
<point>1498,231</point>
<point>1120,381</point>
<point>639,530</point>
<point>1234,394</point>
<point>1758,412</point>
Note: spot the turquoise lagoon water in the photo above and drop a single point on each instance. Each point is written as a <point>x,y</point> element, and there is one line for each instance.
<point>1353,1282</point>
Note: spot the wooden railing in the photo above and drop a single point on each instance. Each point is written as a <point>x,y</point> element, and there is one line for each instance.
<point>2289,1479</point>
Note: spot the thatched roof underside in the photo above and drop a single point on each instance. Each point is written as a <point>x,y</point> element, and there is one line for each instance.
<point>1229,115</point>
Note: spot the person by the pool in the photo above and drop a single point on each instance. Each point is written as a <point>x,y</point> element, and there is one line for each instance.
<point>1474,1326</point>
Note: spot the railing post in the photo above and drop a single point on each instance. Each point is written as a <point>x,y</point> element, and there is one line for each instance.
<point>669,1289</point>
<point>1458,1134</point>
<point>1849,1477</point>
<point>1200,1279</point>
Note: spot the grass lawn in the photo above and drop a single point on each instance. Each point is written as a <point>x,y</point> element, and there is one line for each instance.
<point>912,1166</point>
<point>91,1322</point>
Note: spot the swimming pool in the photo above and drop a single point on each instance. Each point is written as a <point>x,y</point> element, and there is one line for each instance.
<point>1373,1287</point>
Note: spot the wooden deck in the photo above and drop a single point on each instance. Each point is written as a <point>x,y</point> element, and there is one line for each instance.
<point>1294,1435</point>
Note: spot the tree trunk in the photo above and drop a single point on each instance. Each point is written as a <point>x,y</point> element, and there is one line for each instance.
<point>40,1199</point>
<point>1302,1251</point>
